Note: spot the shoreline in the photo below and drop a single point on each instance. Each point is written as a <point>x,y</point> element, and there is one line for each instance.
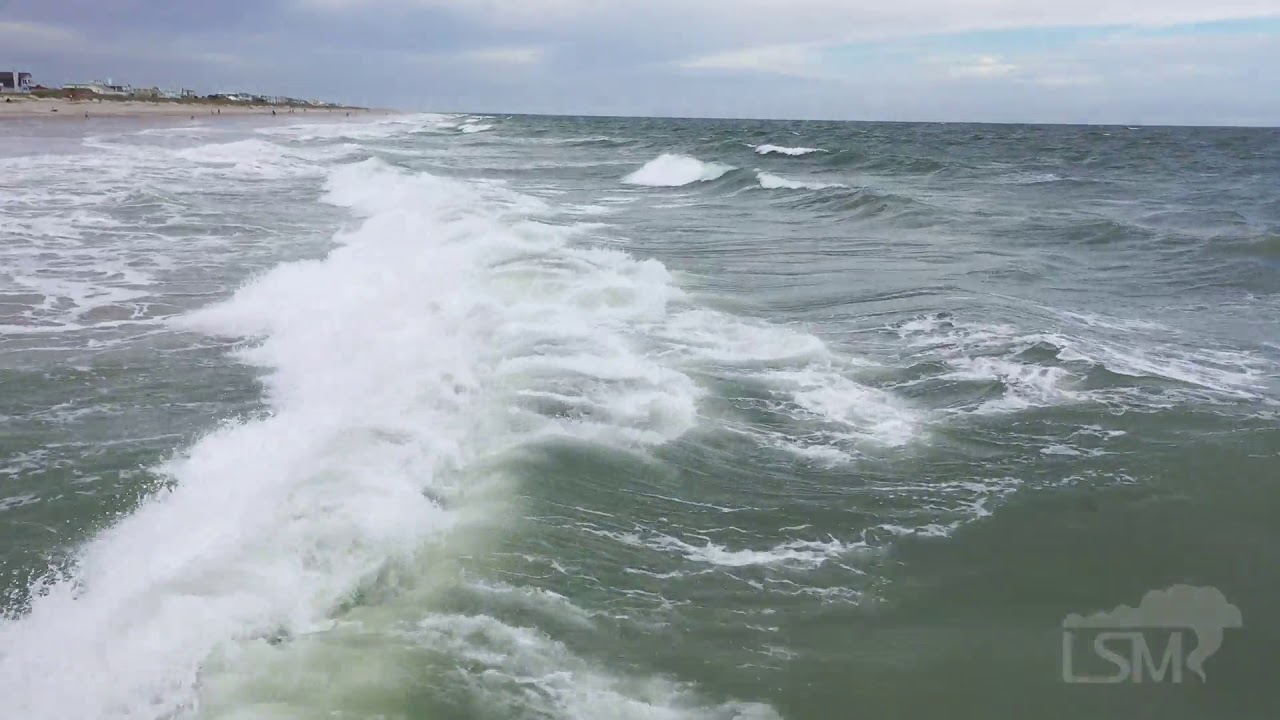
<point>26,107</point>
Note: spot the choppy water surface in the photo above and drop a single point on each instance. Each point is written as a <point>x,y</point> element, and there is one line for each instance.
<point>505,417</point>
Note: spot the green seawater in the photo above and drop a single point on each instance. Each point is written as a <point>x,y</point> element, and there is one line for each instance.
<point>451,417</point>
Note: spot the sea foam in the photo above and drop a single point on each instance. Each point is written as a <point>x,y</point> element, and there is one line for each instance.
<point>676,171</point>
<point>769,181</point>
<point>449,327</point>
<point>792,151</point>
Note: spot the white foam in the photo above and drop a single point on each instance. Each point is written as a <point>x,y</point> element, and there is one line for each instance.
<point>769,181</point>
<point>931,530</point>
<point>862,413</point>
<point>803,379</point>
<point>943,508</point>
<point>259,158</point>
<point>1028,178</point>
<point>1026,385</point>
<point>327,126</point>
<point>482,661</point>
<point>676,171</point>
<point>1222,372</point>
<point>393,363</point>
<point>181,132</point>
<point>792,151</point>
<point>559,683</point>
<point>708,336</point>
<point>797,553</point>
<point>1097,320</point>
<point>587,140</point>
<point>88,239</point>
<point>1133,348</point>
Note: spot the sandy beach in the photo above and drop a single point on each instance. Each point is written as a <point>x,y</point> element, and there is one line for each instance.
<point>18,106</point>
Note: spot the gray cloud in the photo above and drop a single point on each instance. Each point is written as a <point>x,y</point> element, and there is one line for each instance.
<point>761,58</point>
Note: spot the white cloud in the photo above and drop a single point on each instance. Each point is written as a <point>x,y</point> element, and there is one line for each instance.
<point>496,60</point>
<point>867,58</point>
<point>19,34</point>
<point>503,56</point>
<point>221,58</point>
<point>1065,79</point>
<point>777,59</point>
<point>788,21</point>
<point>987,66</point>
<point>35,38</point>
<point>1152,60</point>
<point>789,37</point>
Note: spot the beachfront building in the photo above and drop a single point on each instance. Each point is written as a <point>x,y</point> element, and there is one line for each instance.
<point>93,88</point>
<point>158,93</point>
<point>100,87</point>
<point>15,81</point>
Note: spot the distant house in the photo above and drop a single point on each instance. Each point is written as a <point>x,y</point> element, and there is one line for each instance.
<point>166,93</point>
<point>101,87</point>
<point>15,81</point>
<point>97,88</point>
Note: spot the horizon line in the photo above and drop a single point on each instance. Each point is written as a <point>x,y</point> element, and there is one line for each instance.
<point>725,118</point>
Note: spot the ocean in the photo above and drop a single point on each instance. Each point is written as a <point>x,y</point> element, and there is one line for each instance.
<point>455,417</point>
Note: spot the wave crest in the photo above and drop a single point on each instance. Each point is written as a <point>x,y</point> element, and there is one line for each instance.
<point>792,151</point>
<point>670,170</point>
<point>769,181</point>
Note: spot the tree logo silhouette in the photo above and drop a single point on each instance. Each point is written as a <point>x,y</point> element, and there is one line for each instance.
<point>1203,610</point>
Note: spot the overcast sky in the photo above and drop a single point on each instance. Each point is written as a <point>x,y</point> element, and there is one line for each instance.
<point>1110,61</point>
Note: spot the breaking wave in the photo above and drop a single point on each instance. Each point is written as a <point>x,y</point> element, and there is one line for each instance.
<point>449,328</point>
<point>676,171</point>
<point>792,151</point>
<point>769,181</point>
